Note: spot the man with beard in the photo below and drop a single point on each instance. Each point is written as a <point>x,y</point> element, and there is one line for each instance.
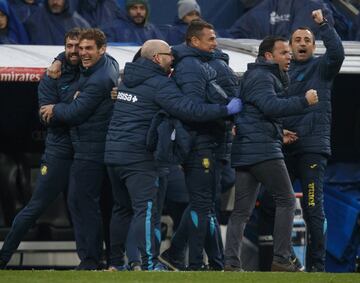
<point>58,155</point>
<point>135,28</point>
<point>134,172</point>
<point>88,115</point>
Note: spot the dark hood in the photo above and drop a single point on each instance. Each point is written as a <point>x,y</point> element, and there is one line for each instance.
<point>142,69</point>
<point>69,8</point>
<point>273,67</point>
<point>182,50</point>
<point>218,54</point>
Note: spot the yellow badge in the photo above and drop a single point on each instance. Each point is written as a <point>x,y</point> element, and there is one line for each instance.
<point>43,170</point>
<point>206,163</point>
<point>313,166</point>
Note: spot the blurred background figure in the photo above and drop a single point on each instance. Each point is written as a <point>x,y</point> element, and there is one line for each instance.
<point>11,29</point>
<point>188,10</point>
<point>49,24</point>
<point>135,27</point>
<point>277,17</point>
<point>24,8</point>
<point>98,13</point>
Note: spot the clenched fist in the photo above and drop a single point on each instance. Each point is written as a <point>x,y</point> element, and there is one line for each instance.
<point>317,16</point>
<point>312,97</point>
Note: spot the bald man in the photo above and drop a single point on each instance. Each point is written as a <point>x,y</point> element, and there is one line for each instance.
<point>145,90</point>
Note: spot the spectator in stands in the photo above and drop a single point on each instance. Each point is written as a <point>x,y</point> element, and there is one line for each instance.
<point>11,29</point>
<point>135,28</point>
<point>57,158</point>
<point>24,8</point>
<point>278,17</point>
<point>99,13</point>
<point>49,24</point>
<point>307,157</point>
<point>188,10</point>
<point>257,151</point>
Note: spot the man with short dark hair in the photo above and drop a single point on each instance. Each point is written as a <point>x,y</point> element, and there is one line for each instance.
<point>58,156</point>
<point>306,159</point>
<point>196,79</point>
<point>88,115</point>
<point>257,150</point>
<point>135,28</point>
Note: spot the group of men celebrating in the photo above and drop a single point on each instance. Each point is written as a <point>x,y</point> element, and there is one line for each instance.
<point>161,117</point>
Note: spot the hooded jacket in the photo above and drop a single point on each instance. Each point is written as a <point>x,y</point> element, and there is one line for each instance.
<point>258,126</point>
<point>89,114</point>
<point>197,80</point>
<point>50,91</point>
<point>24,10</point>
<point>47,28</point>
<point>125,30</point>
<point>15,32</point>
<point>313,125</point>
<point>144,91</point>
<point>99,13</point>
<point>229,82</point>
<point>278,17</point>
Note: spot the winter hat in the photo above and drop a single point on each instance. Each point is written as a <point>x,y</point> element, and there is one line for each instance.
<point>187,6</point>
<point>130,3</point>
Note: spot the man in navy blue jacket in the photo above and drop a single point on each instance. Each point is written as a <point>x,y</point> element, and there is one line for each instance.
<point>57,158</point>
<point>196,78</point>
<point>48,24</point>
<point>307,157</point>
<point>88,115</point>
<point>229,82</point>
<point>257,150</point>
<point>145,89</point>
<point>277,17</point>
<point>135,28</point>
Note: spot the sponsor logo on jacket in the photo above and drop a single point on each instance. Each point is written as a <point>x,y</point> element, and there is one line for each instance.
<point>275,18</point>
<point>127,97</point>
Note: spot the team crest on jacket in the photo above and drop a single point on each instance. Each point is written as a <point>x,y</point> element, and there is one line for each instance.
<point>127,97</point>
<point>43,170</point>
<point>206,163</point>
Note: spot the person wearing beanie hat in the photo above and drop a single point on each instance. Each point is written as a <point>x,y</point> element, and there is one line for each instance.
<point>135,27</point>
<point>188,10</point>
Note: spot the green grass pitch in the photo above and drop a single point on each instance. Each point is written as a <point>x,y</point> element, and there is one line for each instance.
<point>14,276</point>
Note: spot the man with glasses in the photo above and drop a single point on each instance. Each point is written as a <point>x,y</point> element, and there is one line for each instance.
<point>145,90</point>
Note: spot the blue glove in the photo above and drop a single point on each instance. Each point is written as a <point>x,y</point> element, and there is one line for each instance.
<point>234,106</point>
